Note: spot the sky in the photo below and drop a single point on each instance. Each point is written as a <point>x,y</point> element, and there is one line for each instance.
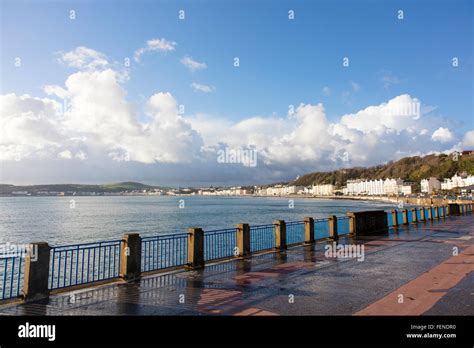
<point>190,93</point>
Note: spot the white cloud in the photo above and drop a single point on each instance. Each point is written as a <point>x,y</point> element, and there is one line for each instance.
<point>66,154</point>
<point>191,64</point>
<point>388,79</point>
<point>84,58</point>
<point>159,45</point>
<point>197,87</point>
<point>101,129</point>
<point>355,86</point>
<point>399,113</point>
<point>443,135</point>
<point>468,140</point>
<point>98,123</point>
<point>326,91</point>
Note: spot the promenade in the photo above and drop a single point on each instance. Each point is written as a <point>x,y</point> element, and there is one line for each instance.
<point>424,268</point>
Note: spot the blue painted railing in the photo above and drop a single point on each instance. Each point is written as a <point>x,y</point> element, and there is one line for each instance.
<point>389,218</point>
<point>409,215</point>
<point>11,276</point>
<point>321,228</point>
<point>219,244</point>
<point>399,217</point>
<point>294,232</point>
<point>262,237</point>
<point>84,263</point>
<point>78,264</point>
<point>342,225</point>
<point>164,251</point>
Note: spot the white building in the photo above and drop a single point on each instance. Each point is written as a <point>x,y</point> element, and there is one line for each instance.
<point>376,187</point>
<point>323,190</point>
<point>457,181</point>
<point>405,189</point>
<point>430,185</point>
<point>364,187</point>
<point>391,186</point>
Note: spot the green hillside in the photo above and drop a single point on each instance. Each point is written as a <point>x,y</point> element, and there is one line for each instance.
<point>409,168</point>
<point>114,187</point>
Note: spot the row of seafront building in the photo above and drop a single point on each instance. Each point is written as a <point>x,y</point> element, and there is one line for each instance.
<point>358,187</point>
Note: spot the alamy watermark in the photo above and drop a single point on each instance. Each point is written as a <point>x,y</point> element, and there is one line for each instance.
<point>246,157</point>
<point>19,250</point>
<point>406,109</point>
<point>345,251</point>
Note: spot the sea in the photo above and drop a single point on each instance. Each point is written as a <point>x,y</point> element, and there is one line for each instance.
<point>74,220</point>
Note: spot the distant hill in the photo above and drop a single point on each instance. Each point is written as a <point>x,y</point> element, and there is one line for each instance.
<point>409,168</point>
<point>109,188</point>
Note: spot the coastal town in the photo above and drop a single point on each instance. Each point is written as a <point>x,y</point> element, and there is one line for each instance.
<point>458,184</point>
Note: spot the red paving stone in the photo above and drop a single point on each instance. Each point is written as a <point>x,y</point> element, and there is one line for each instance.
<point>425,291</point>
<point>218,301</point>
<point>254,311</point>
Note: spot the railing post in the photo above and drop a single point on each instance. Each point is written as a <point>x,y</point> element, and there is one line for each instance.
<point>405,216</point>
<point>332,221</point>
<point>352,223</point>
<point>36,272</point>
<point>195,248</point>
<point>131,257</point>
<point>430,213</point>
<point>414,216</point>
<point>243,240</point>
<point>308,230</point>
<point>394,217</point>
<point>422,214</point>
<point>280,234</point>
<point>435,210</point>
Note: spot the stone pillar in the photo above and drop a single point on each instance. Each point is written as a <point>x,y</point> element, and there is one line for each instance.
<point>36,272</point>
<point>405,216</point>
<point>195,248</point>
<point>367,222</point>
<point>414,216</point>
<point>332,221</point>
<point>131,257</point>
<point>447,210</point>
<point>352,223</point>
<point>394,218</point>
<point>243,240</point>
<point>308,230</point>
<point>422,214</point>
<point>435,210</point>
<point>441,211</point>
<point>280,234</point>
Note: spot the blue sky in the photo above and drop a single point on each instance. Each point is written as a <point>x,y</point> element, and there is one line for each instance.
<point>282,62</point>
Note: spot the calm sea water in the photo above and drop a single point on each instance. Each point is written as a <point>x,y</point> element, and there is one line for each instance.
<point>52,219</point>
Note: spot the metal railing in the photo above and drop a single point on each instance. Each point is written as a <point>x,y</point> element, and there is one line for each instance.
<point>321,228</point>
<point>164,251</point>
<point>262,237</point>
<point>72,265</point>
<point>77,264</point>
<point>342,225</point>
<point>294,232</point>
<point>11,276</point>
<point>418,215</point>
<point>219,244</point>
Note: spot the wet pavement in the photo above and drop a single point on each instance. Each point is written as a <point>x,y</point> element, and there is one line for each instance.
<point>419,269</point>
